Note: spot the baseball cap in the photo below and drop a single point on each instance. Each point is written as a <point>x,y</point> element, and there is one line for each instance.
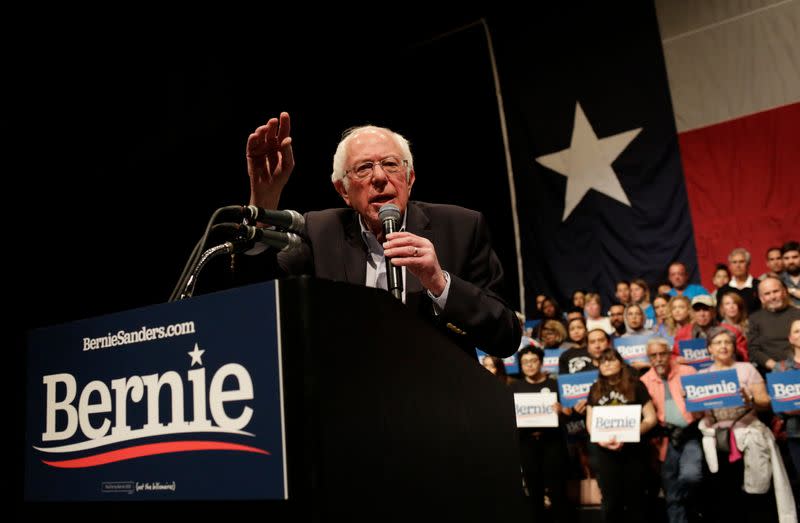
<point>703,299</point>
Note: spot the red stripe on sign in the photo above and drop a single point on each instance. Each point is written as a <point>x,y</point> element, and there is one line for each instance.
<point>152,449</point>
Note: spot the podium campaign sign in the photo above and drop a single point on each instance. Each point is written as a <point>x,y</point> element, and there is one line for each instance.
<point>175,401</point>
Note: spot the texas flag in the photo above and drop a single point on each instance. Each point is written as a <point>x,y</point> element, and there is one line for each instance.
<point>640,134</point>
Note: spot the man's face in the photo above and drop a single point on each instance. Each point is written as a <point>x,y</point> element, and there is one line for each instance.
<point>772,294</point>
<point>616,315</point>
<point>677,276</point>
<point>530,365</point>
<point>738,266</point>
<point>367,196</point>
<point>775,261</point>
<point>660,358</point>
<point>597,343</point>
<point>702,315</point>
<point>623,292</point>
<point>791,262</point>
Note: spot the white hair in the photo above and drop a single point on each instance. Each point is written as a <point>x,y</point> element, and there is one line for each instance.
<point>340,157</point>
<point>743,252</point>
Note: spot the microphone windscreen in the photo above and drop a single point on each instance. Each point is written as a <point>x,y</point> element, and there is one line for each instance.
<point>389,211</point>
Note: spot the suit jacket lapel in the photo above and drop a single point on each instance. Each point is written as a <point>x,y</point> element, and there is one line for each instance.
<point>354,253</point>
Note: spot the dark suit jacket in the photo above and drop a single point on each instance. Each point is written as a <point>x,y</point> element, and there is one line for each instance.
<point>475,315</point>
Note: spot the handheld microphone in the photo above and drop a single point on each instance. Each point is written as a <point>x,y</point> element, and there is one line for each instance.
<point>390,215</point>
<point>291,221</point>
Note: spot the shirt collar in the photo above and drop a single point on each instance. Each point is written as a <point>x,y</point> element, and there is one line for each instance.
<point>369,238</point>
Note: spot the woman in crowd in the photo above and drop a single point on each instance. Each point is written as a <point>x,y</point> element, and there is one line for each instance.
<point>634,321</point>
<point>640,295</point>
<point>791,419</point>
<point>594,310</point>
<point>679,314</point>
<point>553,334</point>
<point>733,311</point>
<point>579,298</point>
<point>728,501</point>
<point>661,308</point>
<point>576,334</point>
<point>497,367</point>
<point>620,467</point>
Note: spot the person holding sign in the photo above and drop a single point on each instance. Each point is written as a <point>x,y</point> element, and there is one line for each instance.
<point>543,450</point>
<point>791,418</point>
<point>620,466</point>
<point>725,461</point>
<point>679,448</point>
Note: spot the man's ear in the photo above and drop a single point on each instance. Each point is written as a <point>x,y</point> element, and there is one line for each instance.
<point>410,178</point>
<point>340,188</point>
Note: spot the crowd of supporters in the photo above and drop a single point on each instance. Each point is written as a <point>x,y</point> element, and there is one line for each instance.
<point>728,464</point>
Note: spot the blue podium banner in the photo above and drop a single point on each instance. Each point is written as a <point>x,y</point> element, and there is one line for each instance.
<point>695,351</point>
<point>632,348</point>
<point>712,390</point>
<point>784,390</point>
<point>178,401</point>
<point>575,387</point>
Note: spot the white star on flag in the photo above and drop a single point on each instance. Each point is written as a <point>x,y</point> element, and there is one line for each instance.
<point>197,355</point>
<point>587,162</point>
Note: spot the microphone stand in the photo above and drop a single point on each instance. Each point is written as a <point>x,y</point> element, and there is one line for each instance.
<point>209,254</point>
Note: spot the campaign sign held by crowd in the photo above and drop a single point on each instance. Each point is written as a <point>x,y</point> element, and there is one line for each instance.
<point>632,348</point>
<point>179,401</point>
<point>575,387</point>
<point>695,351</point>
<point>784,390</point>
<point>712,390</point>
<point>551,360</point>
<point>620,422</point>
<point>535,409</point>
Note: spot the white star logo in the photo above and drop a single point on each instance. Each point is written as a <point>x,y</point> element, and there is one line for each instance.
<point>587,162</point>
<point>197,355</point>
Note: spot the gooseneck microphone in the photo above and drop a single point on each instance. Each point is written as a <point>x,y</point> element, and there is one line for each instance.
<point>389,215</point>
<point>285,241</point>
<point>290,221</point>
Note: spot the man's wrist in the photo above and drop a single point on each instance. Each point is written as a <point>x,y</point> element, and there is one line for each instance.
<point>437,291</point>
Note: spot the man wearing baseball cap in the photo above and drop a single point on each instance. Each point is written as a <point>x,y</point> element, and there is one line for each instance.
<point>703,321</point>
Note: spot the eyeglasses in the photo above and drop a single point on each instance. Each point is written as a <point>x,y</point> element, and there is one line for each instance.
<point>390,165</point>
